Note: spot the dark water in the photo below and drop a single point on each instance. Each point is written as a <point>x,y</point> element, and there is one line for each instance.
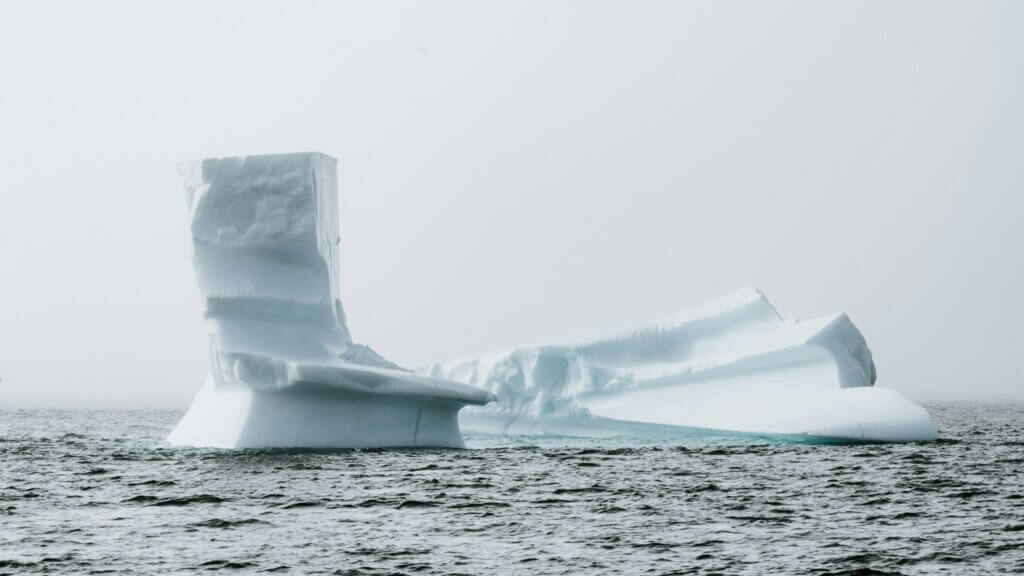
<point>95,492</point>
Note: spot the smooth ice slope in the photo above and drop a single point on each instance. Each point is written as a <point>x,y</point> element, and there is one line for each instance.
<point>733,364</point>
<point>284,369</point>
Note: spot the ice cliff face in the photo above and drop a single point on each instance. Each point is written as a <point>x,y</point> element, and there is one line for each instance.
<point>732,364</point>
<point>284,368</point>
<point>265,241</point>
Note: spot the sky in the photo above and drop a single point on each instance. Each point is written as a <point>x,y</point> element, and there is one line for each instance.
<point>519,173</point>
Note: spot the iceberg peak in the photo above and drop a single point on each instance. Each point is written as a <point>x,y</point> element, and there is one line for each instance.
<point>285,371</point>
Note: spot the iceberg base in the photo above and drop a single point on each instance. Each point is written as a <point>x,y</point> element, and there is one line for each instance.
<point>787,402</point>
<point>312,416</point>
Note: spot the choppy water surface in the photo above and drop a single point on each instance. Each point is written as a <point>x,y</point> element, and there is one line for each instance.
<point>95,492</point>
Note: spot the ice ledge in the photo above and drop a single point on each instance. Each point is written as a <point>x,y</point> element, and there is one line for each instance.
<point>732,364</point>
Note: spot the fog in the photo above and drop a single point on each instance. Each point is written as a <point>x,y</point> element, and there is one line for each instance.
<point>521,172</point>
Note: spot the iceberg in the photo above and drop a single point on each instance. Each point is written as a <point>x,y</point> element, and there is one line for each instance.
<point>285,371</point>
<point>732,365</point>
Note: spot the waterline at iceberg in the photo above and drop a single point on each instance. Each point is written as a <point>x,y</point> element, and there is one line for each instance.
<point>733,365</point>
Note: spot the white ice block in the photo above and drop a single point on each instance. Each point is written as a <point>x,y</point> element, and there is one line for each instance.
<point>285,371</point>
<point>733,364</point>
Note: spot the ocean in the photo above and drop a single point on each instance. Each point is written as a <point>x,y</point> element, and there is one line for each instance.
<point>94,492</point>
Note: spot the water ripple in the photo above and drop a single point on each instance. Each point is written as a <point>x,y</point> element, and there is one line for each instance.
<point>99,492</point>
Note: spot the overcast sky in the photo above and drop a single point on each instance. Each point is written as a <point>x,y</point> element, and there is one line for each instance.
<point>521,172</point>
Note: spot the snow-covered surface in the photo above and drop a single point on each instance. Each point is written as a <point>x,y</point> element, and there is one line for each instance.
<point>284,369</point>
<point>732,364</point>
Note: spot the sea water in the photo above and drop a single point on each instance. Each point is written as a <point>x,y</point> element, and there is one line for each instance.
<point>90,492</point>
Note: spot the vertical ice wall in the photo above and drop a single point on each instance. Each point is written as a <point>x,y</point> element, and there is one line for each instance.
<point>284,368</point>
<point>265,251</point>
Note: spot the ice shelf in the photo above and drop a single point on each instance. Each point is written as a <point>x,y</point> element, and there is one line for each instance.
<point>285,371</point>
<point>731,365</point>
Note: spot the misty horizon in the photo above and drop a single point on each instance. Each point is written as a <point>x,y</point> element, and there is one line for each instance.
<point>521,174</point>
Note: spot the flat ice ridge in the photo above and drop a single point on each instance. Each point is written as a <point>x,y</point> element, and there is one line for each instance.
<point>285,371</point>
<point>732,364</point>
